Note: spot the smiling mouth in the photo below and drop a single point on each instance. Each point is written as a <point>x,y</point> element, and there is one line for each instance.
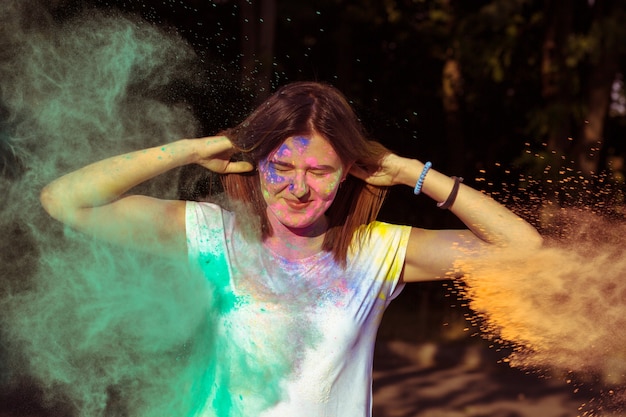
<point>297,205</point>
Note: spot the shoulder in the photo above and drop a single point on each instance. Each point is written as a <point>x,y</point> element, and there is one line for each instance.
<point>377,235</point>
<point>202,217</point>
<point>203,206</point>
<point>378,251</point>
<point>205,211</point>
<point>381,230</point>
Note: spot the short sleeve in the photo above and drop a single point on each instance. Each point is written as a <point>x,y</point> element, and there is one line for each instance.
<point>204,226</point>
<point>208,228</point>
<point>381,248</point>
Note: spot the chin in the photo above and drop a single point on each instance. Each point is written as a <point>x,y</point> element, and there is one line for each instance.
<point>296,224</point>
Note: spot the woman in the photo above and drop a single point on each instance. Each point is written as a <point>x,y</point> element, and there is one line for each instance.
<point>303,187</point>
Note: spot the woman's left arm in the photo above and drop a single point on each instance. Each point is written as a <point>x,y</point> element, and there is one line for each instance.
<point>431,254</point>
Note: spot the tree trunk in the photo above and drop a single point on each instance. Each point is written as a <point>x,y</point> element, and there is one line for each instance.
<point>452,93</point>
<point>452,83</point>
<point>559,17</point>
<point>598,95</point>
<point>586,153</point>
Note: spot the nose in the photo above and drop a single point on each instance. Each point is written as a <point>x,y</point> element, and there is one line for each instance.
<point>298,186</point>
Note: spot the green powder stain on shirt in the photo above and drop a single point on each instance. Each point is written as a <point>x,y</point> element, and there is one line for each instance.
<point>103,329</point>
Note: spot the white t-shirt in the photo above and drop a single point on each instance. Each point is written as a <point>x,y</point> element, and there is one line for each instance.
<point>292,338</point>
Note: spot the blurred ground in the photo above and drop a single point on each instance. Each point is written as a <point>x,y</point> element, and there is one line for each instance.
<point>463,380</point>
<point>454,379</point>
<point>429,362</point>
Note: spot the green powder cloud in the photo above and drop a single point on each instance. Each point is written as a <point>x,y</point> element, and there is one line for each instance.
<point>104,330</point>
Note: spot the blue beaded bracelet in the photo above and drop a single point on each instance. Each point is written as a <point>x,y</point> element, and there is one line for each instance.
<point>420,180</point>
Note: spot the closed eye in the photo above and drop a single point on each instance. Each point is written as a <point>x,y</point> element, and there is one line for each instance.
<point>281,166</point>
<point>320,172</point>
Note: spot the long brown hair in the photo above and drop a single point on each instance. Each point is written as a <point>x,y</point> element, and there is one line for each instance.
<point>303,108</point>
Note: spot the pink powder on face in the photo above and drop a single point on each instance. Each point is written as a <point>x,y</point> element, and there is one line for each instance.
<point>300,180</point>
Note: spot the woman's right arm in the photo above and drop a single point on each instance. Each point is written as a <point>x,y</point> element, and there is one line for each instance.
<point>91,199</point>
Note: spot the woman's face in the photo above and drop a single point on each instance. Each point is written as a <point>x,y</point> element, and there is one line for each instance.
<point>300,179</point>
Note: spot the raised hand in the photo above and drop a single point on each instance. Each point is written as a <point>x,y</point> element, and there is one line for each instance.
<point>214,153</point>
<point>384,175</point>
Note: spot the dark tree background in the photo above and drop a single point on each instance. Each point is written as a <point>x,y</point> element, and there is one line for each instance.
<point>491,90</point>
<point>468,85</point>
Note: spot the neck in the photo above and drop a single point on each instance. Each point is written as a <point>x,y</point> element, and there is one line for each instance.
<point>295,243</point>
